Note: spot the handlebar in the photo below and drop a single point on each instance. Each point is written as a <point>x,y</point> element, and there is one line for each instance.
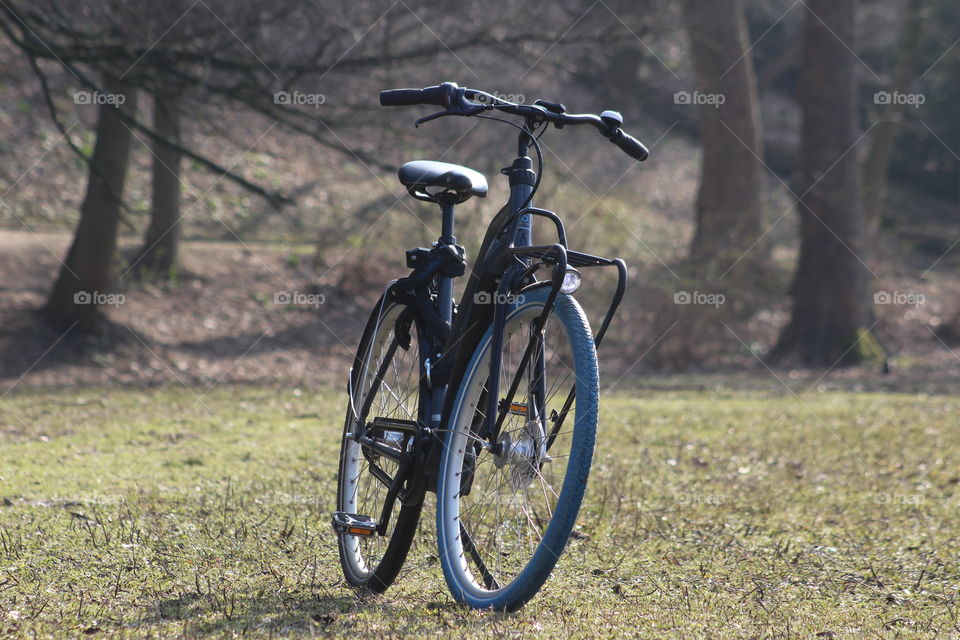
<point>411,97</point>
<point>630,145</point>
<point>460,101</point>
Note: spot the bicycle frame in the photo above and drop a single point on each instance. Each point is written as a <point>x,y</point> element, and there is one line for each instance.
<point>522,180</point>
<point>514,256</point>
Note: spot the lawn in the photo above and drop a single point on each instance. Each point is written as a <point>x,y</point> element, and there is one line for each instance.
<point>710,514</point>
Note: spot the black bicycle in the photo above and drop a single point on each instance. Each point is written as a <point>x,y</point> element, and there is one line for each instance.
<point>491,404</point>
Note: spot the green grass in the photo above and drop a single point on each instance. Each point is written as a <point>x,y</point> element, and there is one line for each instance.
<point>710,514</point>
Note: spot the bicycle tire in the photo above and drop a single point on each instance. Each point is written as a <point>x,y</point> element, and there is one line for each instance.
<point>450,529</point>
<point>386,568</point>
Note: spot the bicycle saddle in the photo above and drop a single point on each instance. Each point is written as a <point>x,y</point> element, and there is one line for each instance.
<point>432,181</point>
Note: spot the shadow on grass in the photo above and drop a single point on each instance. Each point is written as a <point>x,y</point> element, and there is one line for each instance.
<point>212,613</point>
<point>294,615</point>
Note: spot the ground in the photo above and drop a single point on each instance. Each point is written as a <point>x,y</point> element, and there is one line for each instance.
<point>720,512</point>
<point>174,475</point>
<point>218,321</point>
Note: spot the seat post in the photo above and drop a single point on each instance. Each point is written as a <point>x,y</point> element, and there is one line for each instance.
<point>446,282</point>
<point>446,232</point>
<point>444,300</point>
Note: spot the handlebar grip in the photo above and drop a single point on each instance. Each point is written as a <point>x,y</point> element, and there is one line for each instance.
<point>411,97</point>
<point>630,145</point>
<point>401,97</point>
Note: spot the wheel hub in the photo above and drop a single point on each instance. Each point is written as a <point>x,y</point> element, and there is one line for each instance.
<point>525,456</point>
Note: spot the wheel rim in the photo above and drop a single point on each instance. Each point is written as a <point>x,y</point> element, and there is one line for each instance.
<point>512,496</point>
<point>395,397</point>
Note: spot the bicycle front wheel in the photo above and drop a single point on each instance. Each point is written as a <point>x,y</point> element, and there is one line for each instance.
<point>505,512</point>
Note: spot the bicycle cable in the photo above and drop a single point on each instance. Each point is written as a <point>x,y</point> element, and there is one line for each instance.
<point>536,145</point>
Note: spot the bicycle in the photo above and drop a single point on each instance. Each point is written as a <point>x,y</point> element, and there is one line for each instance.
<point>466,400</point>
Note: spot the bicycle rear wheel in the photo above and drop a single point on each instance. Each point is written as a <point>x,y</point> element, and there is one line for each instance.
<point>385,384</point>
<point>505,513</point>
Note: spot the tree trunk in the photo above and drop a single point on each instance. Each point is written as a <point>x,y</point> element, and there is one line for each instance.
<point>950,331</point>
<point>881,144</point>
<point>830,312</point>
<point>729,209</point>
<point>87,273</point>
<point>158,256</point>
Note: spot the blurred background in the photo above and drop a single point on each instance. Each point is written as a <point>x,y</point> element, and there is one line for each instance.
<point>204,192</point>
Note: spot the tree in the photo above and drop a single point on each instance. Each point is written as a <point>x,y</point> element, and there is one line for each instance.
<point>158,255</point>
<point>87,272</point>
<point>729,210</point>
<point>829,319</point>
<point>881,144</point>
<point>246,56</point>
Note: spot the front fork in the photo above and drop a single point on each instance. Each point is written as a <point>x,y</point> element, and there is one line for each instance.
<point>533,355</point>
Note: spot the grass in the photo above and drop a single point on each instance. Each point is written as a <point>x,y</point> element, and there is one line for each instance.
<point>710,514</point>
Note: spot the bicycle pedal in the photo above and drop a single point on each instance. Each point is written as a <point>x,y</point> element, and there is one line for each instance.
<point>352,524</point>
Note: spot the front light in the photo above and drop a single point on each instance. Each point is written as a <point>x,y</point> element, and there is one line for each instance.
<point>571,281</point>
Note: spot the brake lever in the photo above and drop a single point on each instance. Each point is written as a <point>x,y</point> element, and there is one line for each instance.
<point>432,116</point>
<point>451,112</point>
